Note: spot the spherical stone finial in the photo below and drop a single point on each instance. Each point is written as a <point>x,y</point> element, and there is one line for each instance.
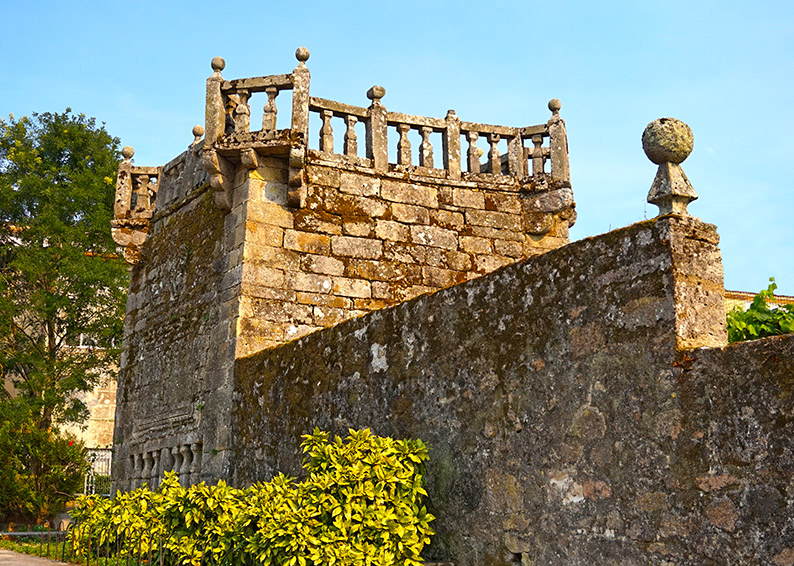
<point>667,140</point>
<point>376,93</point>
<point>198,131</point>
<point>127,152</point>
<point>218,64</point>
<point>302,54</point>
<point>555,105</point>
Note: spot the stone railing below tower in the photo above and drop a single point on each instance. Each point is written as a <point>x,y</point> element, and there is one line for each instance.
<point>534,157</point>
<point>136,195</point>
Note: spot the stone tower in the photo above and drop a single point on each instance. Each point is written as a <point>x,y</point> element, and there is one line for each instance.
<point>255,237</point>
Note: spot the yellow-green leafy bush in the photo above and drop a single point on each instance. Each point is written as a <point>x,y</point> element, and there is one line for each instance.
<point>359,503</point>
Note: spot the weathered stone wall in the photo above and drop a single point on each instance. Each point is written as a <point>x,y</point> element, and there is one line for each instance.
<point>569,420</point>
<point>179,335</point>
<point>367,240</point>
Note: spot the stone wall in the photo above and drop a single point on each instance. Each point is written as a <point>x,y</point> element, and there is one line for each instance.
<point>179,336</point>
<point>368,240</point>
<point>568,417</point>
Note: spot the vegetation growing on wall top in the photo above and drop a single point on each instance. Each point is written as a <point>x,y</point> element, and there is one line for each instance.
<point>760,319</point>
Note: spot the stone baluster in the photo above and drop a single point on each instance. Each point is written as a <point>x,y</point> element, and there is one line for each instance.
<point>377,129</point>
<point>184,469</point>
<point>270,110</point>
<point>215,109</point>
<point>123,202</point>
<point>494,159</point>
<point>426,148</point>
<point>176,455</point>
<point>537,155</point>
<point>195,465</point>
<point>155,475</point>
<point>327,132</point>
<point>473,153</point>
<point>351,139</point>
<point>299,127</point>
<point>242,112</point>
<point>147,468</point>
<point>515,156</point>
<point>300,94</point>
<point>130,479</point>
<point>558,142</point>
<point>451,145</point>
<point>166,461</point>
<point>138,471</point>
<point>403,145</point>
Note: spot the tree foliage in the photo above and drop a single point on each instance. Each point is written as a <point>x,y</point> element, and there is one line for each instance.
<point>62,289</point>
<point>360,503</point>
<point>760,320</point>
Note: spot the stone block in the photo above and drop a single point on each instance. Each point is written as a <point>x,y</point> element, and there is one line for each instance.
<point>307,242</point>
<point>280,294</point>
<point>365,248</point>
<point>324,300</point>
<point>434,236</point>
<point>410,214</point>
<point>371,304</point>
<point>278,311</point>
<point>309,220</point>
<point>264,234</point>
<point>494,234</point>
<point>475,245</point>
<point>509,248</point>
<point>390,271</point>
<point>397,191</point>
<point>325,176</point>
<point>382,290</point>
<point>458,261</point>
<point>273,174</point>
<point>503,202</point>
<point>330,316</point>
<point>393,231</point>
<point>362,228</point>
<point>309,282</point>
<point>270,213</point>
<point>270,256</point>
<point>491,219</point>
<point>275,192</point>
<point>360,185</point>
<point>408,293</point>
<point>488,263</point>
<point>468,198</point>
<point>350,206</point>
<point>446,219</point>
<point>437,277</point>
<point>352,287</point>
<point>325,265</point>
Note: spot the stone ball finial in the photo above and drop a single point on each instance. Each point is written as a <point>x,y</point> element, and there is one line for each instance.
<point>218,64</point>
<point>198,131</point>
<point>376,93</point>
<point>667,140</point>
<point>302,54</point>
<point>127,152</point>
<point>555,105</point>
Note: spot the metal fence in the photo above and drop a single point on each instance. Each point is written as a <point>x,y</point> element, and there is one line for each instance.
<point>97,480</point>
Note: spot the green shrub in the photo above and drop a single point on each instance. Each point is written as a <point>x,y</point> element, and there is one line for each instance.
<point>360,503</point>
<point>760,320</point>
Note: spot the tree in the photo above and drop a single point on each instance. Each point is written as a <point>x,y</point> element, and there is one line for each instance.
<point>62,288</point>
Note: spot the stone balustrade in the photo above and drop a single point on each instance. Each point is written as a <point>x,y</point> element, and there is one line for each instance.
<point>136,196</point>
<point>535,156</point>
<point>150,467</point>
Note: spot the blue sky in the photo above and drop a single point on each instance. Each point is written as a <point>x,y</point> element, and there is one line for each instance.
<point>724,67</point>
